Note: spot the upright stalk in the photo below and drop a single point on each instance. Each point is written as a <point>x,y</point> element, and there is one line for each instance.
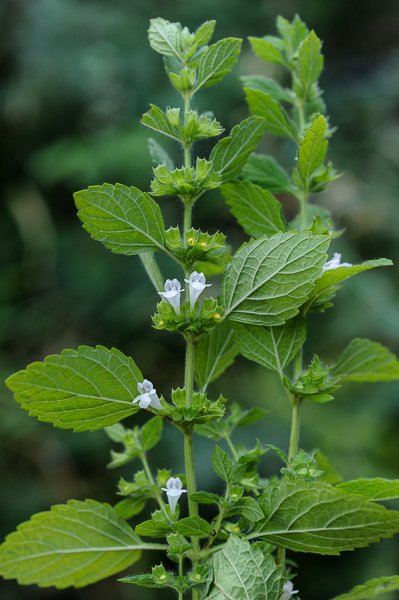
<point>155,487</point>
<point>294,437</point>
<point>187,221</point>
<point>191,489</point>
<point>152,269</point>
<point>189,372</point>
<point>188,449</point>
<point>296,403</point>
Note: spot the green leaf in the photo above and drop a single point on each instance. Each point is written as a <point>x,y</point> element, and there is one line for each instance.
<point>268,86</point>
<point>129,507</point>
<point>125,220</point>
<point>204,33</point>
<point>116,432</point>
<point>156,119</point>
<point>231,153</point>
<point>194,526</point>
<point>242,418</point>
<point>216,61</point>
<point>277,121</point>
<point>315,217</point>
<point>73,544</point>
<point>214,353</point>
<point>144,580</point>
<point>271,347</point>
<point>205,498</point>
<point>83,389</point>
<point>165,37</point>
<point>372,589</point>
<point>257,210</point>
<point>364,360</point>
<point>312,149</point>
<point>210,429</point>
<point>269,48</point>
<point>318,518</point>
<point>159,155</point>
<point>310,63</point>
<point>222,464</point>
<point>266,172</point>
<point>329,473</point>
<point>249,509</point>
<point>242,571</point>
<point>153,528</point>
<point>268,279</point>
<point>151,433</point>
<point>332,277</point>
<point>376,489</point>
<point>292,33</point>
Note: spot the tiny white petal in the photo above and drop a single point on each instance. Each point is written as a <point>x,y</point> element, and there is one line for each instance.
<point>172,293</point>
<point>335,263</point>
<point>197,285</point>
<point>148,395</point>
<point>173,491</point>
<point>155,403</point>
<point>288,591</point>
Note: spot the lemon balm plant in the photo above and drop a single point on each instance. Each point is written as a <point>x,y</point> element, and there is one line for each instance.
<point>269,286</point>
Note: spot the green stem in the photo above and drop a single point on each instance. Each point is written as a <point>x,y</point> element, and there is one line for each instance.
<point>231,446</point>
<point>296,403</point>
<point>187,163</point>
<point>189,372</point>
<point>157,491</point>
<point>294,429</point>
<point>187,156</point>
<point>187,221</point>
<point>301,114</point>
<point>191,488</point>
<point>280,559</point>
<point>302,204</point>
<point>152,269</point>
<point>294,436</point>
<point>180,575</point>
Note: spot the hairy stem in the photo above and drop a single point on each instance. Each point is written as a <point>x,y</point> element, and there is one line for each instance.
<point>231,446</point>
<point>302,204</point>
<point>189,372</point>
<point>191,489</point>
<point>187,221</point>
<point>151,266</point>
<point>294,437</point>
<point>157,491</point>
<point>294,429</point>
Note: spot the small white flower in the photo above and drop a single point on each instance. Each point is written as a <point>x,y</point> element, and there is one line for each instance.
<point>172,293</point>
<point>288,591</point>
<point>173,491</point>
<point>148,396</point>
<point>335,263</point>
<point>196,285</point>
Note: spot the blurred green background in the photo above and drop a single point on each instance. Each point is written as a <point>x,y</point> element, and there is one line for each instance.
<point>75,78</point>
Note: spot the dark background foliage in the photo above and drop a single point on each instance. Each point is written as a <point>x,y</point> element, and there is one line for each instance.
<point>75,78</point>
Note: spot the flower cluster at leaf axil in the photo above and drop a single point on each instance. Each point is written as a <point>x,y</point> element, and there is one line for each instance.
<point>196,285</point>
<point>189,316</point>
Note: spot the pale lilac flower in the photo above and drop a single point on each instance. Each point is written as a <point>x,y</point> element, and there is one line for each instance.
<point>148,396</point>
<point>173,491</point>
<point>288,591</point>
<point>335,263</point>
<point>172,293</point>
<point>196,284</point>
